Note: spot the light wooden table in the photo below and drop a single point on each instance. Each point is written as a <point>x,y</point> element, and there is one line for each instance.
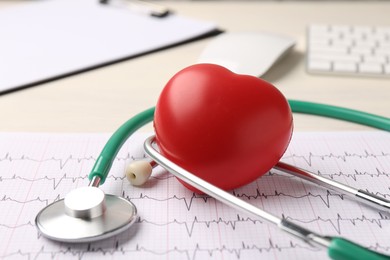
<point>100,100</point>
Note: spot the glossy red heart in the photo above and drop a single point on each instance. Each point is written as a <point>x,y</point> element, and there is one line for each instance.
<point>226,128</point>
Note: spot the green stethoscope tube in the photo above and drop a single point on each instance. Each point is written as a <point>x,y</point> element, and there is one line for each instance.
<point>345,114</point>
<point>339,249</point>
<point>110,150</point>
<point>342,249</point>
<point>106,158</point>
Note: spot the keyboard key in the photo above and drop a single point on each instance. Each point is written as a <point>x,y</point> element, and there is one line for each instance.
<point>382,51</point>
<point>384,44</point>
<point>375,59</point>
<point>344,66</point>
<point>329,49</point>
<point>380,37</point>
<point>323,42</point>
<point>357,50</point>
<point>375,68</point>
<point>342,42</point>
<point>335,57</point>
<point>320,65</point>
<point>387,69</point>
<point>366,44</point>
<point>384,30</point>
<point>363,29</point>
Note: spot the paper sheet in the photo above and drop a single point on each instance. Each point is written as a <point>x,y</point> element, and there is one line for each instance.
<point>44,40</point>
<point>173,223</point>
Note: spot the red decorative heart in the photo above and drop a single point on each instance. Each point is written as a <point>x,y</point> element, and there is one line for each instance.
<point>226,128</point>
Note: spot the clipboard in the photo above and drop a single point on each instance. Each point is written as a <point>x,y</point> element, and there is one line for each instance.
<point>53,39</point>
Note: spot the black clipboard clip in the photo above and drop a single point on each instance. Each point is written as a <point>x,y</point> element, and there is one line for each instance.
<point>142,7</point>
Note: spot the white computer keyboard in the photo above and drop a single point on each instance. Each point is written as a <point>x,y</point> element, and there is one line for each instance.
<point>353,50</point>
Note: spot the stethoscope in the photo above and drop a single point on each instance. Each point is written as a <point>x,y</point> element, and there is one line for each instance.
<point>88,214</point>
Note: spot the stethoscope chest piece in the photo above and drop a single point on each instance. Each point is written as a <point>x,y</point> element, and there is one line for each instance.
<point>85,215</point>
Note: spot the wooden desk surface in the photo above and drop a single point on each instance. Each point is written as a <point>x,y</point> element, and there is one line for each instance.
<point>100,100</point>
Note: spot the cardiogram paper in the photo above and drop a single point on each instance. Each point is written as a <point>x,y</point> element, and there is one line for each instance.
<point>174,223</point>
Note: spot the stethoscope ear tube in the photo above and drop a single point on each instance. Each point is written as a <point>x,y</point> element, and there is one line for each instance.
<point>365,197</point>
<point>112,147</point>
<point>342,113</point>
<point>343,249</point>
<point>338,248</point>
<point>104,162</point>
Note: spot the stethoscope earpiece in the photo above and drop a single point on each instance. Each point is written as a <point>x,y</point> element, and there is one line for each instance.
<point>138,172</point>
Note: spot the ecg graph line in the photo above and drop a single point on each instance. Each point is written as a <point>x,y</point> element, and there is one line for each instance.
<point>62,162</point>
<point>336,222</point>
<point>308,159</point>
<point>187,253</point>
<point>255,194</point>
<point>188,226</point>
<point>184,253</point>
